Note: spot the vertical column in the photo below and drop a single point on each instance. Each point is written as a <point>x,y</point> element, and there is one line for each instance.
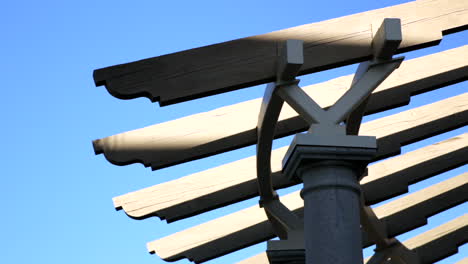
<point>330,167</point>
<point>331,196</point>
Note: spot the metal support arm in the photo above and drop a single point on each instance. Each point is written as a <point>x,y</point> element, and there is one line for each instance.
<point>349,107</point>
<point>284,220</point>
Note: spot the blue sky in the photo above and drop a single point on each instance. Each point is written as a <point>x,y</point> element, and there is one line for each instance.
<point>56,193</point>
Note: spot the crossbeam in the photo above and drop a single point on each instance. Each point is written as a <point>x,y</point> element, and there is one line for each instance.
<point>433,245</point>
<point>234,126</point>
<point>251,61</point>
<point>236,181</point>
<point>250,226</point>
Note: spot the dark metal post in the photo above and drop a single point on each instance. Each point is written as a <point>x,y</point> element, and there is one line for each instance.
<point>331,213</point>
<point>331,194</point>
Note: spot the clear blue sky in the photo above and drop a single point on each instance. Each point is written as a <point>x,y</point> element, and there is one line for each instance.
<point>56,194</point>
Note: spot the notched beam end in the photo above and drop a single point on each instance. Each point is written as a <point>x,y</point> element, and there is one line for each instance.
<point>122,93</point>
<point>138,214</point>
<point>134,216</point>
<point>114,158</point>
<point>100,147</point>
<point>152,247</point>
<point>117,88</point>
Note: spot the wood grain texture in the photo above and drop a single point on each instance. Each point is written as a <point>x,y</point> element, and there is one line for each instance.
<point>431,246</point>
<point>250,61</point>
<point>234,126</point>
<point>236,181</point>
<point>250,226</point>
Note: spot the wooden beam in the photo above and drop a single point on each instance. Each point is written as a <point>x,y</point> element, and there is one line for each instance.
<point>236,181</point>
<point>431,246</point>
<point>234,126</point>
<point>440,242</point>
<point>250,61</point>
<point>412,210</point>
<point>250,226</point>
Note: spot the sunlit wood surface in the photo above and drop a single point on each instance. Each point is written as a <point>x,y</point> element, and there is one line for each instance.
<point>232,127</point>
<point>249,61</point>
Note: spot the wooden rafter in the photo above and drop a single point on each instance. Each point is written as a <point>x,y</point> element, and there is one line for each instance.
<point>249,61</point>
<point>233,127</point>
<point>250,226</point>
<point>237,180</point>
<point>432,245</point>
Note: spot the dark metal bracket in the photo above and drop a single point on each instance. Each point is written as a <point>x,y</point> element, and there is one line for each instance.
<point>329,123</point>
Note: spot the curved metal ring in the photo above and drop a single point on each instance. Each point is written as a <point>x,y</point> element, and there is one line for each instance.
<point>282,219</point>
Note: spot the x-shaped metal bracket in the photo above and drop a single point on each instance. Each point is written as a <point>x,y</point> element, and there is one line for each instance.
<point>349,108</point>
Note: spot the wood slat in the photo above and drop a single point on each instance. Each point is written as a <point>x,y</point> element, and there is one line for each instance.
<point>250,226</point>
<point>412,211</point>
<point>440,242</point>
<point>237,180</point>
<point>431,246</point>
<point>234,126</point>
<point>249,61</point>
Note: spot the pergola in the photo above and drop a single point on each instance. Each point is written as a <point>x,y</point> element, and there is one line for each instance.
<point>335,144</point>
